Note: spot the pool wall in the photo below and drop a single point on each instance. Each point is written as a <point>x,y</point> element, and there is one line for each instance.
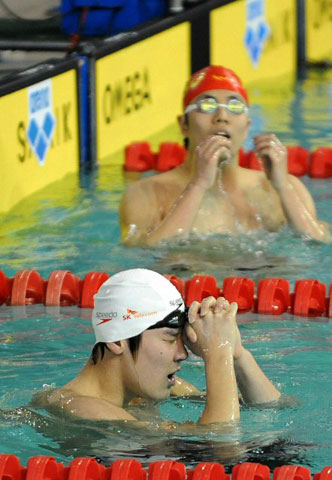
<point>39,125</point>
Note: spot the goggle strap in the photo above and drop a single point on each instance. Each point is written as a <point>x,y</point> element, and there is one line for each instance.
<point>167,321</point>
<point>190,108</point>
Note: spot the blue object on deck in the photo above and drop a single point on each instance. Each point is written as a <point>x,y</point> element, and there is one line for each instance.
<point>107,17</point>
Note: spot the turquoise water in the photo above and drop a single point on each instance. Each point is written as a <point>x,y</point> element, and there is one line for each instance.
<point>73,225</point>
<point>46,347</point>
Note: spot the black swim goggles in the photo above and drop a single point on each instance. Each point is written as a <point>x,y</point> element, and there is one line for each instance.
<point>175,319</point>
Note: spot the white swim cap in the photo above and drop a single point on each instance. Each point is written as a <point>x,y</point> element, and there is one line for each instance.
<point>132,301</point>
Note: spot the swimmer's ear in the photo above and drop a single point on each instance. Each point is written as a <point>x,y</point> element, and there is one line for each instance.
<point>183,124</point>
<point>115,347</point>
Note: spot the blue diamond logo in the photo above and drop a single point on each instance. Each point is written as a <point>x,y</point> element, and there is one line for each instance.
<point>48,125</point>
<point>249,37</point>
<point>262,32</point>
<point>255,39</point>
<point>33,131</point>
<point>41,147</point>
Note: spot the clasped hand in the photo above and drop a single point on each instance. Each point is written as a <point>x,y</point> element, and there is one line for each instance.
<point>212,328</point>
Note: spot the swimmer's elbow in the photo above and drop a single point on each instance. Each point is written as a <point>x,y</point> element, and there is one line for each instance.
<point>323,233</point>
<point>132,236</point>
<point>326,232</point>
<point>138,240</point>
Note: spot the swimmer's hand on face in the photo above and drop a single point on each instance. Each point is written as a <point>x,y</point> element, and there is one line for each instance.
<point>211,155</point>
<point>211,327</point>
<point>273,156</point>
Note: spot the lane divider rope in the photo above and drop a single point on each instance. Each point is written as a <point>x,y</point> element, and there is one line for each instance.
<point>139,158</point>
<point>47,468</point>
<point>271,296</point>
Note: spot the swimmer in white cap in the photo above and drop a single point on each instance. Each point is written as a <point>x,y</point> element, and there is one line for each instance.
<point>142,329</point>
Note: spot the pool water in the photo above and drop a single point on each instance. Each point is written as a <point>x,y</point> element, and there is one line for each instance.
<point>73,225</point>
<point>43,348</point>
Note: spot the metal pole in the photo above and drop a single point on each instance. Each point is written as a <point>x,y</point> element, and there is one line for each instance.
<point>301,46</point>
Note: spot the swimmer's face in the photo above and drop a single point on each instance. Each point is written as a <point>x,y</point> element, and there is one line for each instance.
<point>202,125</point>
<point>157,361</point>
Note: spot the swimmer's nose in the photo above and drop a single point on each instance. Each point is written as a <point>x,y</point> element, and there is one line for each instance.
<point>221,115</point>
<point>181,353</point>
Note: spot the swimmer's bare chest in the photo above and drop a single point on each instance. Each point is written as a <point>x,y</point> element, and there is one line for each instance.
<point>239,212</point>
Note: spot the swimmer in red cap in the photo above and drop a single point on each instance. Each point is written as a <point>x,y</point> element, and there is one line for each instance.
<point>210,192</point>
<point>143,331</point>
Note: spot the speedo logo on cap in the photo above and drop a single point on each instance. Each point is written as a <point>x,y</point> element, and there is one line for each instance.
<point>105,317</point>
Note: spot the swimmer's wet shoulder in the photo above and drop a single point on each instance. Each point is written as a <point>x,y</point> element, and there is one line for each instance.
<point>147,202</point>
<point>88,407</point>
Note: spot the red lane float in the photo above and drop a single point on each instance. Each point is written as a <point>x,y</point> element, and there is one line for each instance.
<point>298,160</point>
<point>91,284</point>
<point>42,468</point>
<point>208,471</point>
<point>170,155</point>
<point>321,163</point>
<point>127,469</point>
<point>199,287</point>
<point>240,290</point>
<point>177,282</point>
<point>140,158</point>
<point>47,468</point>
<point>250,471</point>
<point>5,288</point>
<point>291,472</point>
<point>329,304</point>
<point>86,468</point>
<point>10,468</point>
<point>309,298</point>
<point>273,296</point>
<point>167,470</point>
<point>325,474</point>
<point>28,288</point>
<point>249,160</point>
<point>63,289</point>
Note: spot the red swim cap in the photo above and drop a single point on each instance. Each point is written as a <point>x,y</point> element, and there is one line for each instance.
<point>212,78</point>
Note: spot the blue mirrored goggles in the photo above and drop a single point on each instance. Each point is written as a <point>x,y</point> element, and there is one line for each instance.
<point>210,105</point>
<point>175,319</point>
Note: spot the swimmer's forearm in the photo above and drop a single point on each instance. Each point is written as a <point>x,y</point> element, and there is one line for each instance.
<point>222,400</point>
<point>254,385</point>
<point>182,388</point>
<point>299,216</point>
<point>181,216</point>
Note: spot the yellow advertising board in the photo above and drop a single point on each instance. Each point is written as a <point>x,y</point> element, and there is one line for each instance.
<point>318,30</point>
<point>139,89</point>
<point>256,38</point>
<point>39,137</point>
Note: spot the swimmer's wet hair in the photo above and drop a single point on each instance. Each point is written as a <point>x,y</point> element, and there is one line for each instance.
<point>98,350</point>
